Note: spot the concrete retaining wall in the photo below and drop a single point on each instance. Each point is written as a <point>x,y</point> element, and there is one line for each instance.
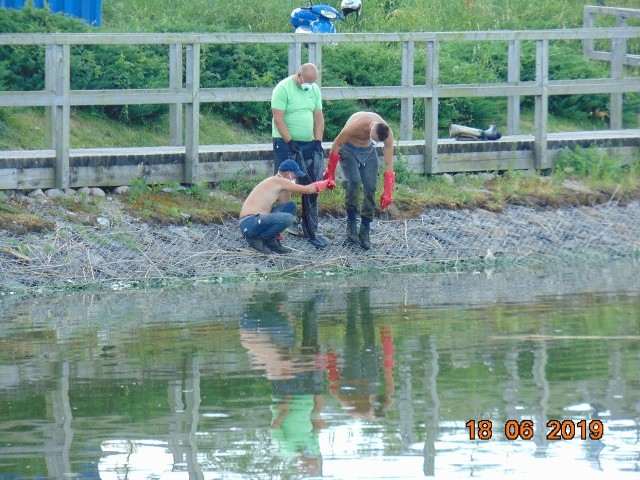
<point>25,170</point>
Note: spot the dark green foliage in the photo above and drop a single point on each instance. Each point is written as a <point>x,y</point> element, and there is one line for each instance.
<point>566,62</point>
<point>92,67</point>
<point>590,163</point>
<point>22,66</point>
<point>244,66</point>
<point>336,113</point>
<point>122,67</point>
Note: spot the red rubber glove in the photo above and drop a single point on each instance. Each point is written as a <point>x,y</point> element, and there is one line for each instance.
<point>322,184</point>
<point>330,172</point>
<point>386,198</point>
<point>387,346</point>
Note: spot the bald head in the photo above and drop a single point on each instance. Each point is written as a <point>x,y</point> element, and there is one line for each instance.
<point>308,72</point>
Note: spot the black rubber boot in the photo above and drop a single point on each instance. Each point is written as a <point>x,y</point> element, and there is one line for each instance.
<point>490,133</point>
<point>275,246</point>
<point>258,244</point>
<point>363,236</point>
<point>352,231</point>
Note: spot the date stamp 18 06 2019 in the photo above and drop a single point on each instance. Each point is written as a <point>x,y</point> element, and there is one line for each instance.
<point>525,429</point>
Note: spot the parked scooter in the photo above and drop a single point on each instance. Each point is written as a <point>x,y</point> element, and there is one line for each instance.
<point>315,18</point>
<point>322,18</point>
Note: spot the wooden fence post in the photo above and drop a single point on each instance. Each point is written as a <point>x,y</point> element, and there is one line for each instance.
<point>406,104</point>
<point>50,86</point>
<point>192,127</point>
<point>315,57</point>
<point>588,21</point>
<point>295,57</point>
<point>618,51</point>
<point>540,159</point>
<point>431,108</point>
<point>61,112</point>
<point>513,74</point>
<point>175,83</point>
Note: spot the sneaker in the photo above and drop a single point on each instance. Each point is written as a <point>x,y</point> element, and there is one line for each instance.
<point>274,245</point>
<point>258,244</point>
<point>295,229</point>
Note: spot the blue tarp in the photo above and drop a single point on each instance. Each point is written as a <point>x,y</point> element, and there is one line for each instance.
<point>88,10</point>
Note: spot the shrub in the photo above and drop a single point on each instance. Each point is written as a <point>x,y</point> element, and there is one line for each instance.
<point>92,67</point>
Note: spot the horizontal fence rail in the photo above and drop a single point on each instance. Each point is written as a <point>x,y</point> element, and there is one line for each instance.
<point>184,95</point>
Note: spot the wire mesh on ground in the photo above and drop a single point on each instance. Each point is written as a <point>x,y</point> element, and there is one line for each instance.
<point>124,250</point>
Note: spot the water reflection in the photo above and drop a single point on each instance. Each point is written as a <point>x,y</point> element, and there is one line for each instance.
<point>335,380</point>
<point>355,381</point>
<point>296,372</point>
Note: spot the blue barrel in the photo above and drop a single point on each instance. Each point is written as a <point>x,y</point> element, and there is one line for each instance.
<point>88,10</point>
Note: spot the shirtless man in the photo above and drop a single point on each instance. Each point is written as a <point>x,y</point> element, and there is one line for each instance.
<point>260,221</point>
<point>355,145</point>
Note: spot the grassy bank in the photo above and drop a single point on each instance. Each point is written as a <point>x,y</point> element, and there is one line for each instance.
<point>584,177</point>
<point>383,16</point>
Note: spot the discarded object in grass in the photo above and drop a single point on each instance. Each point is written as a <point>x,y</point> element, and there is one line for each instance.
<point>461,132</point>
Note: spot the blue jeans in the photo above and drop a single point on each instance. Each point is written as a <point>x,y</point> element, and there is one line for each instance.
<point>268,225</point>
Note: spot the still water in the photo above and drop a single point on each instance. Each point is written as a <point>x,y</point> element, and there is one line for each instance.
<point>483,374</point>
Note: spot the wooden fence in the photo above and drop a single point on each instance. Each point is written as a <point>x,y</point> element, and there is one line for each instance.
<point>184,95</point>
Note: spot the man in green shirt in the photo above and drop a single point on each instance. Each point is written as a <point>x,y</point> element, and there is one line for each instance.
<point>297,130</point>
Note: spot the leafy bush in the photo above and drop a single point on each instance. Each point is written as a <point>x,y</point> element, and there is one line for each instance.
<point>243,66</point>
<point>92,67</point>
<point>590,162</point>
<point>22,66</point>
<point>122,67</point>
<point>566,62</point>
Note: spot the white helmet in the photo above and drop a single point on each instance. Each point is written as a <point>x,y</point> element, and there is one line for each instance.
<point>350,6</point>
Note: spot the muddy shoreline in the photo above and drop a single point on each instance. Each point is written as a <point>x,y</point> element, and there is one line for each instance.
<point>119,251</point>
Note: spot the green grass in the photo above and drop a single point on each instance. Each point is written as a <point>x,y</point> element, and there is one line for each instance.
<point>23,129</point>
<point>383,16</point>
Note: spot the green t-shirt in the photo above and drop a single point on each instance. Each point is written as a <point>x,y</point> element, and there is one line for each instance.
<point>295,434</point>
<point>298,106</point>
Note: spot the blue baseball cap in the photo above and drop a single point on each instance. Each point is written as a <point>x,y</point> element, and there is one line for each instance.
<point>290,165</point>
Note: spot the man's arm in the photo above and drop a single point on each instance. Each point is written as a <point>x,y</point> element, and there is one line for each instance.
<point>387,152</point>
<point>339,141</point>
<point>318,124</point>
<point>306,189</point>
<point>278,120</point>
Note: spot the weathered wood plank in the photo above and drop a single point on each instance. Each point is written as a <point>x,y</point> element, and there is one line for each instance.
<point>117,166</point>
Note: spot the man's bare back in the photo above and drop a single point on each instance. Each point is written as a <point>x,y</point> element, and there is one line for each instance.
<point>357,130</point>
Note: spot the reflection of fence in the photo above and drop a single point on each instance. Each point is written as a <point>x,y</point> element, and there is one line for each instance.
<point>60,166</point>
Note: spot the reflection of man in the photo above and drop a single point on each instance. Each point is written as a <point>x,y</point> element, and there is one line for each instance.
<point>296,375</point>
<point>297,129</point>
<point>356,384</point>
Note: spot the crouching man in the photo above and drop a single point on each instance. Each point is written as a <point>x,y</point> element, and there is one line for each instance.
<point>260,222</point>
